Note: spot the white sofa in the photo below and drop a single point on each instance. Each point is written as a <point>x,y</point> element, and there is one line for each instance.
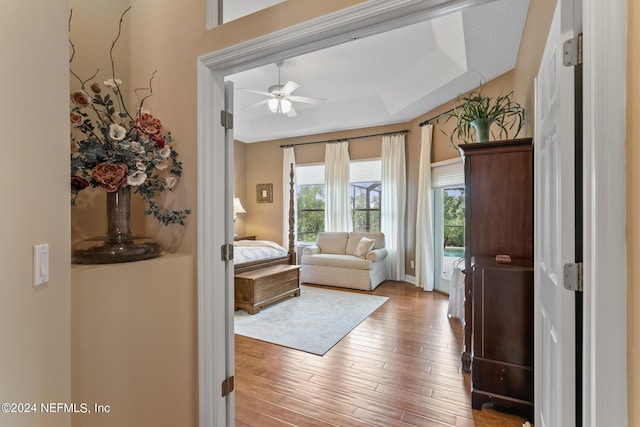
<point>331,261</point>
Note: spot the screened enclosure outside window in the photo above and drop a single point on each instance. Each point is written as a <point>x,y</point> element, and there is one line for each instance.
<point>365,198</point>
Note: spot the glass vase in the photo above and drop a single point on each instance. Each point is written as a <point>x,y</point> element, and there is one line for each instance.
<point>120,244</point>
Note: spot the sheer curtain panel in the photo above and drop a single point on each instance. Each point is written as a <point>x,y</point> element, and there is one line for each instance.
<point>288,160</point>
<point>337,211</point>
<point>424,215</point>
<point>392,209</point>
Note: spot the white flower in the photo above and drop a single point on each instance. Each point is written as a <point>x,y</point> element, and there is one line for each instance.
<point>113,83</point>
<point>125,145</point>
<point>161,165</point>
<point>170,182</point>
<point>165,152</point>
<point>137,147</point>
<point>141,166</point>
<point>117,132</point>
<point>136,178</point>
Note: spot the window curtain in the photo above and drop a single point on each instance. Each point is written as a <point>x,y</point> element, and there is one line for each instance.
<point>424,223</point>
<point>392,208</point>
<point>337,211</point>
<point>289,158</point>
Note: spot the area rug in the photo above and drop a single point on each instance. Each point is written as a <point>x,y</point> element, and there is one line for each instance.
<point>313,322</point>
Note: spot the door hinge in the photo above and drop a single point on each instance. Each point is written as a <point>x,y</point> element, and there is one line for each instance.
<point>228,385</point>
<point>573,277</point>
<point>572,52</point>
<point>226,252</point>
<point>226,119</point>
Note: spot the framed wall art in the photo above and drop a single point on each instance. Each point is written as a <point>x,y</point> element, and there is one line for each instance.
<point>264,193</point>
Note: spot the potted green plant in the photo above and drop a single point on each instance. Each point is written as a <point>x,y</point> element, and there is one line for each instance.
<point>476,115</point>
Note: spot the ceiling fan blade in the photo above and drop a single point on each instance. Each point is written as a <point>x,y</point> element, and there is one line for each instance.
<point>292,113</point>
<point>289,87</point>
<point>255,91</point>
<point>307,99</point>
<point>257,104</point>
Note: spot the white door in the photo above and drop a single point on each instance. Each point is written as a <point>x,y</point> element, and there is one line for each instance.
<point>555,355</point>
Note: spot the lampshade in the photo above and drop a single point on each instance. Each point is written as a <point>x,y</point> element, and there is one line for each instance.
<point>237,206</point>
<point>279,105</point>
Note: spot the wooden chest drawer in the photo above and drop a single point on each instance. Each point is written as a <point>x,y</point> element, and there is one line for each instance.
<point>258,288</point>
<point>502,378</point>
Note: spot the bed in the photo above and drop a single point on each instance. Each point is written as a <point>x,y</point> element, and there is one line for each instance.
<point>264,271</point>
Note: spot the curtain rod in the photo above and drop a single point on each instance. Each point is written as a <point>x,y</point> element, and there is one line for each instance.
<point>428,121</point>
<point>347,139</point>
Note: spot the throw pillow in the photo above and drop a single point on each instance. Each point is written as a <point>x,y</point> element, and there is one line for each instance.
<point>364,246</point>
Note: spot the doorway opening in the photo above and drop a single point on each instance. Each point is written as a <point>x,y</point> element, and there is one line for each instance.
<point>449,235</point>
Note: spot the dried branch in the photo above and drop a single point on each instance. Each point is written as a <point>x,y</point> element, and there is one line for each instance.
<point>149,89</point>
<point>113,64</point>
<point>73,48</point>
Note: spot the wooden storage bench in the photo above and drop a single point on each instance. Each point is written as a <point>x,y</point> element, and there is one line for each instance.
<point>257,288</point>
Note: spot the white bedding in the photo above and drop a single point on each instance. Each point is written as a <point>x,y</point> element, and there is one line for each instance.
<point>253,250</point>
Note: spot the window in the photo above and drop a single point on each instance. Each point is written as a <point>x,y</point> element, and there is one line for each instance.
<point>366,206</point>
<point>366,185</point>
<point>310,219</point>
<point>232,9</point>
<point>453,215</point>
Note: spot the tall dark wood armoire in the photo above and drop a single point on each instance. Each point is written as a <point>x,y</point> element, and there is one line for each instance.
<point>498,338</point>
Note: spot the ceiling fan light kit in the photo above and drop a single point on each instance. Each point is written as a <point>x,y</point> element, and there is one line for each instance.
<point>279,105</point>
<point>280,98</point>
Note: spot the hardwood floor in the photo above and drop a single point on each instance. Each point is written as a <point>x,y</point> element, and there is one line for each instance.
<point>400,367</point>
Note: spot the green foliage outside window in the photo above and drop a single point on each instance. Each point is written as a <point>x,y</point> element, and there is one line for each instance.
<point>310,212</point>
<point>454,217</point>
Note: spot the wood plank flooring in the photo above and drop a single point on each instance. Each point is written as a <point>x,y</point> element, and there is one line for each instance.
<point>400,367</point>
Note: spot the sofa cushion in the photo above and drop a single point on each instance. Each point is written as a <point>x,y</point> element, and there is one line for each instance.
<point>364,246</point>
<point>340,261</point>
<point>333,242</point>
<point>354,239</point>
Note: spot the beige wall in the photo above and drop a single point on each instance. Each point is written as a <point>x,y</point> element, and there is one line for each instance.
<point>133,342</point>
<point>34,118</point>
<point>633,213</point>
<point>239,186</point>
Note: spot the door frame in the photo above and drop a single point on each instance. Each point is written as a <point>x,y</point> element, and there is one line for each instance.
<point>605,185</point>
<point>604,176</point>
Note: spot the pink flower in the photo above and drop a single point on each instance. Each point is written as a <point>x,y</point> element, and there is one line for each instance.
<point>76,118</point>
<point>149,125</point>
<point>80,98</point>
<point>111,176</point>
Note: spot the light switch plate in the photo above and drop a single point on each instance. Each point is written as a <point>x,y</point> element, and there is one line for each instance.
<point>40,264</point>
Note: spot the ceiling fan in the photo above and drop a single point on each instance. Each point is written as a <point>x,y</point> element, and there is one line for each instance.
<point>280,98</point>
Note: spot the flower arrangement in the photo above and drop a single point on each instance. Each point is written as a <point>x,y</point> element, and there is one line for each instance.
<point>114,147</point>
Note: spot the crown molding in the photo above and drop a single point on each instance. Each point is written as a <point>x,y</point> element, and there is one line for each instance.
<point>362,20</point>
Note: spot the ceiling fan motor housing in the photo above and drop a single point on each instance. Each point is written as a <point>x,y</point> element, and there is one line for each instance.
<point>276,90</point>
